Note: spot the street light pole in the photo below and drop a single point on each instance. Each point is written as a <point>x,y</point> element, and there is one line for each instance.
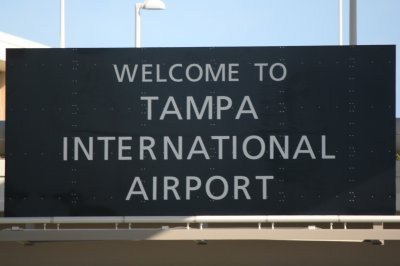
<point>353,22</point>
<point>138,6</point>
<point>62,24</point>
<point>340,22</point>
<point>150,5</point>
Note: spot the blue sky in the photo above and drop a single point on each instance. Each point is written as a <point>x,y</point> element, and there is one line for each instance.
<point>190,23</point>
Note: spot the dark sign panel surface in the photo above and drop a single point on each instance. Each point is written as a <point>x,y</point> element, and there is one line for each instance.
<point>200,131</point>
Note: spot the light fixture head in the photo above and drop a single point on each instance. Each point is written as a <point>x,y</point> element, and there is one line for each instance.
<point>154,5</point>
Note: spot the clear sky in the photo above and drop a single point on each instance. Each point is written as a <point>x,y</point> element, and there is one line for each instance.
<point>188,23</point>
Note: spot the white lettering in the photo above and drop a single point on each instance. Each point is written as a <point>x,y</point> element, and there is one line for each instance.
<point>190,104</point>
<point>323,149</point>
<point>220,140</point>
<point>189,187</point>
<point>304,140</point>
<point>262,147</point>
<point>65,148</point>
<point>122,148</point>
<point>242,187</point>
<point>166,111</point>
<point>251,109</point>
<point>106,140</point>
<point>284,72</point>
<point>149,99</point>
<point>154,188</point>
<point>261,70</point>
<point>224,191</point>
<point>234,147</point>
<point>79,144</point>
<point>149,148</point>
<point>220,72</point>
<point>125,69</point>
<point>171,70</point>
<point>146,72</point>
<point>264,185</point>
<point>221,107</point>
<point>232,71</point>
<point>175,151</point>
<point>172,188</point>
<point>198,141</point>
<point>158,78</point>
<point>273,142</point>
<point>200,72</point>
<point>141,191</point>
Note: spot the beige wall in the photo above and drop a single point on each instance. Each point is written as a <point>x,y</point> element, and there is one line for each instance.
<point>2,96</point>
<point>187,253</point>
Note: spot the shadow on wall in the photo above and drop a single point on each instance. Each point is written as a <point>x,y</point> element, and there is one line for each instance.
<point>398,135</point>
<point>2,138</point>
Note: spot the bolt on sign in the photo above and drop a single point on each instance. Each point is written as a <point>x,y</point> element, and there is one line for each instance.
<point>200,131</point>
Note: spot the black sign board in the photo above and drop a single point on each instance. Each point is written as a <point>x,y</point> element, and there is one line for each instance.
<point>200,131</point>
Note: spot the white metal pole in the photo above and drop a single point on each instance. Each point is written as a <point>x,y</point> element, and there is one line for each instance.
<point>62,24</point>
<point>340,22</point>
<point>353,22</point>
<point>138,6</point>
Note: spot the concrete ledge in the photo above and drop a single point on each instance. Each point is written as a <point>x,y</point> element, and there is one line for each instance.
<point>1,194</point>
<point>347,235</point>
<point>204,219</point>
